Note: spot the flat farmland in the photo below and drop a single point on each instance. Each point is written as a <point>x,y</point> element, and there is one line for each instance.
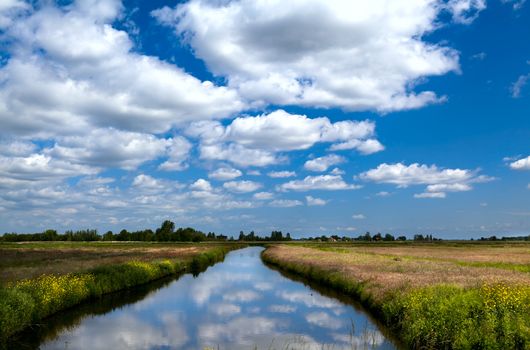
<point>29,260</point>
<point>440,295</point>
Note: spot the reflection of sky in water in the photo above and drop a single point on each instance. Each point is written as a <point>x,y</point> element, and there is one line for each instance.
<point>238,304</point>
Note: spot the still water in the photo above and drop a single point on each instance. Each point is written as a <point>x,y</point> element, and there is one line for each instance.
<point>237,304</point>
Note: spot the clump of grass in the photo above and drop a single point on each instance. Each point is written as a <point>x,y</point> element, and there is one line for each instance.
<point>25,302</point>
<point>493,316</point>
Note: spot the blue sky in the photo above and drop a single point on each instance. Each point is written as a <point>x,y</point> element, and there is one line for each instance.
<point>312,117</point>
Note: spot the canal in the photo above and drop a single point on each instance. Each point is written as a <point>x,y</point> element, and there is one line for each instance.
<point>239,303</point>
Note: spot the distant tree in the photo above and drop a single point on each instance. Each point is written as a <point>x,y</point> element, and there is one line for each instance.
<point>377,237</point>
<point>276,236</point>
<point>50,235</point>
<point>419,237</point>
<point>108,236</point>
<point>402,238</point>
<point>123,235</point>
<point>388,237</point>
<point>366,237</point>
<point>210,236</point>
<point>163,234</point>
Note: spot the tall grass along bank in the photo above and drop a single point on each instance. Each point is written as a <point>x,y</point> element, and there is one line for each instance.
<point>429,305</point>
<point>25,302</point>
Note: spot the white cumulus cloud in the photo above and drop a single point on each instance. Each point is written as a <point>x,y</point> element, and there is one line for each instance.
<point>312,201</point>
<point>285,203</point>
<point>243,186</point>
<point>325,53</point>
<point>439,181</point>
<point>263,196</point>
<point>521,164</point>
<point>225,173</point>
<point>323,163</point>
<point>201,185</point>
<point>321,182</point>
<point>256,140</point>
<point>281,174</point>
<point>87,74</point>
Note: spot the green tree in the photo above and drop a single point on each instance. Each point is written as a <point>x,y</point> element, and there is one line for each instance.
<point>163,234</point>
<point>388,237</point>
<point>108,236</point>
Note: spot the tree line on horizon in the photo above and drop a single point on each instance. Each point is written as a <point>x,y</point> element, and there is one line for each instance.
<point>167,233</point>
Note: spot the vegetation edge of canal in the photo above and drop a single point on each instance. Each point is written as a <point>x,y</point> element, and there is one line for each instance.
<point>26,302</point>
<point>440,316</point>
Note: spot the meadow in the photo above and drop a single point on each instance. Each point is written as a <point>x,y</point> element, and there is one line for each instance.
<point>432,295</point>
<point>40,279</point>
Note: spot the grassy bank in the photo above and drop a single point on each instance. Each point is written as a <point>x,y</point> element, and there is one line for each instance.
<point>24,302</point>
<point>432,296</point>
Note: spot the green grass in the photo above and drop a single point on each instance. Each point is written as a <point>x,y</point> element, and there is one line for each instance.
<point>450,317</point>
<point>26,302</point>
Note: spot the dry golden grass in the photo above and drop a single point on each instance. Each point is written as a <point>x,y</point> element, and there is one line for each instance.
<point>498,253</point>
<point>384,269</point>
<point>23,262</point>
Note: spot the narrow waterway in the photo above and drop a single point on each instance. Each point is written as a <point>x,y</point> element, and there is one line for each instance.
<point>237,304</point>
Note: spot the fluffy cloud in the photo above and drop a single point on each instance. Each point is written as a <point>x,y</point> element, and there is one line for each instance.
<point>465,11</point>
<point>256,140</point>
<point>86,74</point>
<point>121,149</point>
<point>438,180</point>
<point>239,155</point>
<point>263,196</point>
<point>285,203</point>
<point>358,216</point>
<point>281,174</point>
<point>312,201</point>
<point>16,148</point>
<point>243,186</point>
<point>201,185</point>
<point>177,153</point>
<point>38,168</point>
<point>323,163</point>
<point>320,53</point>
<point>430,195</point>
<point>362,146</point>
<point>521,164</point>
<point>10,9</point>
<point>282,131</point>
<point>321,182</point>
<point>146,181</point>
<point>405,175</point>
<point>225,173</point>
<point>457,187</point>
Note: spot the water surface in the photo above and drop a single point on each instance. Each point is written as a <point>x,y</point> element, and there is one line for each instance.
<point>237,304</point>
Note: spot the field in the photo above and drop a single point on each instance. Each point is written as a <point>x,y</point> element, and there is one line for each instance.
<point>29,260</point>
<point>434,296</point>
<point>39,279</point>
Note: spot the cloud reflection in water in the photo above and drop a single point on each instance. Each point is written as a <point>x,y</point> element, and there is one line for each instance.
<point>237,304</point>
